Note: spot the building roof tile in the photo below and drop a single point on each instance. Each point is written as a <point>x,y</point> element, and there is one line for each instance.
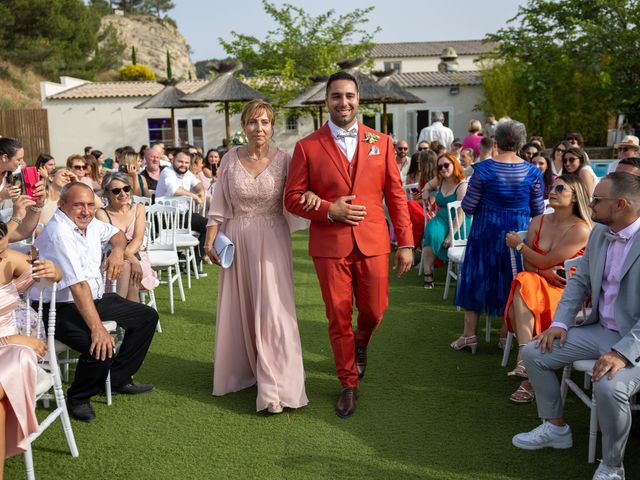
<point>122,89</point>
<point>429,49</point>
<point>436,79</point>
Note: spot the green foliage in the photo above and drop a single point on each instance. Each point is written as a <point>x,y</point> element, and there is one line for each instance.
<point>157,7</point>
<point>101,7</point>
<point>55,37</point>
<point>130,6</point>
<point>567,65</point>
<point>136,73</point>
<point>134,59</point>
<point>169,72</point>
<point>300,46</point>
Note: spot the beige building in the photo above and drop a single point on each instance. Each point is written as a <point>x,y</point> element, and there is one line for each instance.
<point>102,114</point>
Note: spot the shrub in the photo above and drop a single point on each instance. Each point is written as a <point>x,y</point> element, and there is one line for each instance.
<point>136,73</point>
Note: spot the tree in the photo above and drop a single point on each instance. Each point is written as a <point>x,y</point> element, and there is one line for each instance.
<point>299,47</point>
<point>134,59</point>
<point>567,65</point>
<point>130,6</point>
<point>169,72</point>
<point>158,7</point>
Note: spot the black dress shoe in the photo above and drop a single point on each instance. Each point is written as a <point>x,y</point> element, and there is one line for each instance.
<point>346,405</point>
<point>81,411</point>
<point>361,361</point>
<point>134,388</point>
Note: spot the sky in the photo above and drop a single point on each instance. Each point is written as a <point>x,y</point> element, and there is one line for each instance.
<point>202,22</point>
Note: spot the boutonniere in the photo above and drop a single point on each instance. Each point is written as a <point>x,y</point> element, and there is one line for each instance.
<point>371,137</point>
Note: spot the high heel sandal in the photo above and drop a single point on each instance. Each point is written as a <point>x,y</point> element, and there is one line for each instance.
<point>466,342</point>
<point>523,394</point>
<point>518,373</point>
<point>274,408</point>
<point>428,284</point>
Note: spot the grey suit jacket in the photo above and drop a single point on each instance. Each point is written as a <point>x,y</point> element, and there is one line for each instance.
<point>587,280</point>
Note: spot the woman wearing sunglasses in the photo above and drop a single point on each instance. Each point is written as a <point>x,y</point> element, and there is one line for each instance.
<point>535,293</point>
<point>574,162</point>
<point>450,186</point>
<point>556,156</point>
<point>130,218</point>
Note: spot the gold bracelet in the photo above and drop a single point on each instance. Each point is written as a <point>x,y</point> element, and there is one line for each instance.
<point>4,341</point>
<point>16,220</point>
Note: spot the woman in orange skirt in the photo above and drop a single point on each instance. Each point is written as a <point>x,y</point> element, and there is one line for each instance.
<point>535,293</point>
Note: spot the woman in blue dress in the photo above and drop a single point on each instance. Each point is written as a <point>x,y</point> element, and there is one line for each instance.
<point>450,184</point>
<point>503,194</point>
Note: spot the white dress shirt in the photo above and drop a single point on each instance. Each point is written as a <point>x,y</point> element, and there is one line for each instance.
<point>437,131</point>
<point>348,145</point>
<point>169,182</point>
<point>78,255</point>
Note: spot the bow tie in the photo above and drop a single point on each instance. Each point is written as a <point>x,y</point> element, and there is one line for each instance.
<point>347,133</point>
<point>614,237</point>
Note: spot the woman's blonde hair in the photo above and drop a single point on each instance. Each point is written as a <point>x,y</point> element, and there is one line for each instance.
<point>474,126</point>
<point>255,108</point>
<point>129,158</point>
<point>581,207</point>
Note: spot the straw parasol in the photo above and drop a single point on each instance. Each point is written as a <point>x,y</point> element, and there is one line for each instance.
<point>384,79</point>
<point>370,91</point>
<point>169,97</point>
<point>225,88</point>
<point>319,85</point>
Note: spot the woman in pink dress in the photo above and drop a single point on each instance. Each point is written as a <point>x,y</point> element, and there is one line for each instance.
<point>257,339</point>
<point>474,138</point>
<point>137,273</point>
<point>19,354</point>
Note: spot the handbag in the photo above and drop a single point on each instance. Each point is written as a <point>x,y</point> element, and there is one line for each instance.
<point>225,249</point>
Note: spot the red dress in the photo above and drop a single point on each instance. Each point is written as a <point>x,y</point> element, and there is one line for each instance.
<point>540,296</point>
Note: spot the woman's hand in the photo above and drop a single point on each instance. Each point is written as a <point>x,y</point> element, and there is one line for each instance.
<point>42,171</point>
<point>513,239</point>
<point>10,192</point>
<point>46,269</point>
<point>136,271</point>
<point>212,254</point>
<point>310,200</point>
<point>552,277</point>
<point>446,243</point>
<point>39,347</point>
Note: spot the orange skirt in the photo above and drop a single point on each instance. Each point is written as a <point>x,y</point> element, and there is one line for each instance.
<point>539,296</point>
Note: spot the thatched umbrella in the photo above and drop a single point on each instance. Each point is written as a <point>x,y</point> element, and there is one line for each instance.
<point>169,97</point>
<point>225,88</point>
<point>370,90</point>
<point>384,79</point>
<point>319,85</point>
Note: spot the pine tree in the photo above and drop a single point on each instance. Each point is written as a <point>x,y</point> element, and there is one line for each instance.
<point>157,7</point>
<point>134,60</point>
<point>169,73</point>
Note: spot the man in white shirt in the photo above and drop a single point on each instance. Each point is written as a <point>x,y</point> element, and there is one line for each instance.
<point>178,181</point>
<point>402,159</point>
<point>437,131</point>
<point>74,239</point>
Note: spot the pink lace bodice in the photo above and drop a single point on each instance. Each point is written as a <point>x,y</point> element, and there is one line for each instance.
<point>9,301</point>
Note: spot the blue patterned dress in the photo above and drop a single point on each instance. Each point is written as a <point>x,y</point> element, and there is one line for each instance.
<point>502,197</point>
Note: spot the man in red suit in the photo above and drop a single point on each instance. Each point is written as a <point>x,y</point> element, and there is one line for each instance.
<point>350,167</point>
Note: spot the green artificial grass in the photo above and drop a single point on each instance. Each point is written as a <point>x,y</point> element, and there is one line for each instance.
<point>425,411</point>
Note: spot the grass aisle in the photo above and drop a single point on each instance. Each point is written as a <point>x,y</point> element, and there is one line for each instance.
<point>425,411</point>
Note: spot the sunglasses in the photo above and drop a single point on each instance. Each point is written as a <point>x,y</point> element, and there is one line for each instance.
<point>570,159</point>
<point>558,189</point>
<point>79,167</point>
<point>117,190</point>
<point>595,200</point>
<point>444,166</point>
<point>626,149</point>
<point>423,149</point>
<point>402,148</point>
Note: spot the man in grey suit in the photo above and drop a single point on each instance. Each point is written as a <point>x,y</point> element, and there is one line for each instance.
<point>610,272</point>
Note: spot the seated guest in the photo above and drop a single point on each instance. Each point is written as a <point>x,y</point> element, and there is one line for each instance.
<point>23,212</point>
<point>130,219</point>
<point>609,272</point>
<point>556,156</point>
<point>19,354</point>
<point>574,161</point>
<point>93,175</point>
<point>74,239</point>
<point>152,167</point>
<point>450,186</point>
<point>413,173</point>
<point>528,151</point>
<point>538,141</point>
<point>486,149</point>
<point>130,161</point>
<point>629,165</point>
<point>45,164</point>
<point>423,145</point>
<point>211,163</point>
<point>542,162</point>
<point>535,293</point>
<point>421,170</point>
<point>466,159</point>
<point>57,179</point>
<point>178,181</point>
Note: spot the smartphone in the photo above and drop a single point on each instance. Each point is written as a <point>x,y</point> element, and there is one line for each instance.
<point>30,176</point>
<point>123,169</point>
<point>561,273</point>
<point>16,181</point>
<point>35,256</point>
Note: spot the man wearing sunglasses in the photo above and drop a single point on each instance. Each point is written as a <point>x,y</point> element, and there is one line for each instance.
<point>627,148</point>
<point>402,158</point>
<point>609,272</point>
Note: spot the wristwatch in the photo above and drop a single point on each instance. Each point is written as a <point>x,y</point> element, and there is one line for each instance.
<point>519,246</point>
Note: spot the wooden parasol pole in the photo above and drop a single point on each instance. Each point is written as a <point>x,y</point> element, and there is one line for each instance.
<point>384,119</point>
<point>227,122</point>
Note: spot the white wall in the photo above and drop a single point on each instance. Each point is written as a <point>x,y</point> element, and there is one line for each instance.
<point>425,64</point>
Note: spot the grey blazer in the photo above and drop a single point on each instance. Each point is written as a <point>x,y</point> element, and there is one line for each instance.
<point>587,280</point>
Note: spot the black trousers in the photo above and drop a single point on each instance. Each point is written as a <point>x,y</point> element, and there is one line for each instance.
<point>199,224</point>
<point>139,322</point>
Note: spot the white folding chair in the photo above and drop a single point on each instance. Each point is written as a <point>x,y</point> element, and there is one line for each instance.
<point>48,378</point>
<point>186,242</point>
<point>146,201</point>
<point>455,253</point>
<point>514,271</point>
<point>162,250</point>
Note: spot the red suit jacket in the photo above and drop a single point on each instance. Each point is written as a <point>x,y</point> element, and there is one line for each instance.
<point>319,165</point>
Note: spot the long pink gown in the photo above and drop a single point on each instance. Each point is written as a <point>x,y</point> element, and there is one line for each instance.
<point>257,338</point>
<point>18,372</point>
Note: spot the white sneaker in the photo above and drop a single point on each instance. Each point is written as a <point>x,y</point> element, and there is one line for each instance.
<point>605,472</point>
<point>545,435</point>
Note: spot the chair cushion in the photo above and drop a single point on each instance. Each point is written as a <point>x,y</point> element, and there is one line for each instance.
<point>584,365</point>
<point>456,254</point>
<point>162,258</point>
<point>186,240</point>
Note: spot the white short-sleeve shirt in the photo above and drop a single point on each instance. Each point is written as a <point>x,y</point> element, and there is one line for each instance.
<point>78,255</point>
<point>169,182</point>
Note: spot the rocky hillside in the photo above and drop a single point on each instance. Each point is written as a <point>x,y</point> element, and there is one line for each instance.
<point>19,88</point>
<point>152,38</point>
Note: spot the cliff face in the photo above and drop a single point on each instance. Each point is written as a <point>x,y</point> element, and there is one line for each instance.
<point>152,38</point>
